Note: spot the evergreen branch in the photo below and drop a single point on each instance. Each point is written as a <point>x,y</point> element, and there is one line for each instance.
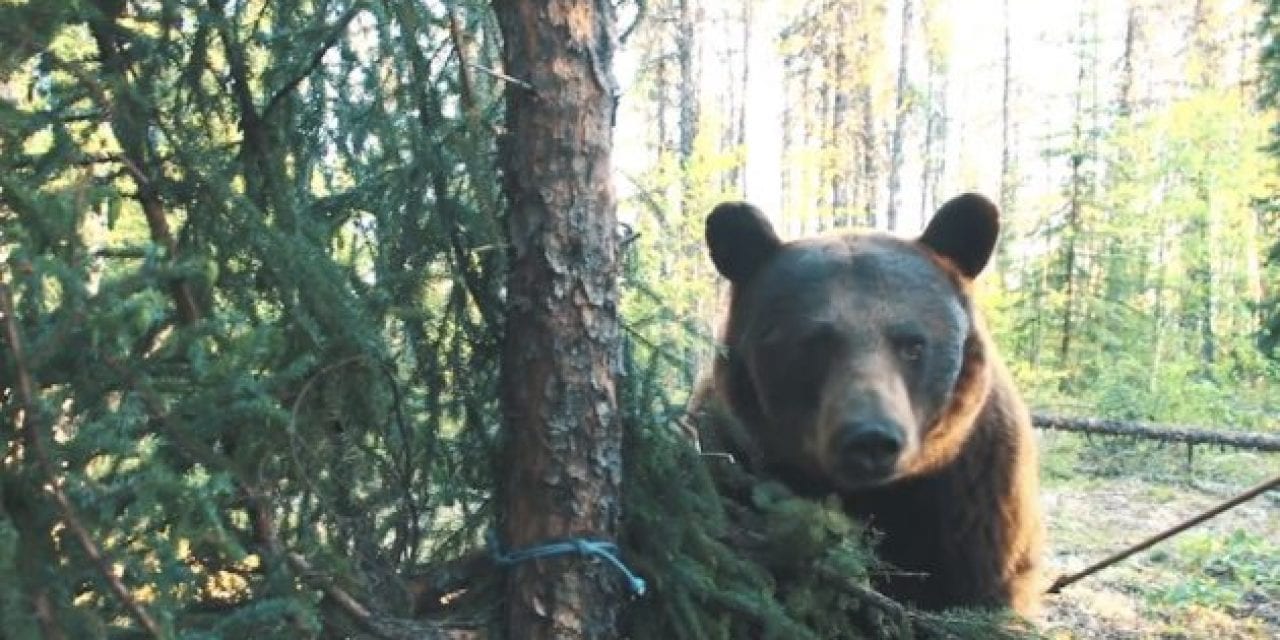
<point>267,534</point>
<point>405,468</point>
<point>54,483</point>
<point>316,58</point>
<point>131,137</point>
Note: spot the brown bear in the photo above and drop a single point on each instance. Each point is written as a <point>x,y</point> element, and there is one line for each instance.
<point>857,364</point>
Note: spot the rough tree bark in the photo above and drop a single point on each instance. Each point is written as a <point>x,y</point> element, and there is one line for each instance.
<point>560,358</point>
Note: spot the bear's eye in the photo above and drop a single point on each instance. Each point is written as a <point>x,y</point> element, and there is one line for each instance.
<point>910,348</point>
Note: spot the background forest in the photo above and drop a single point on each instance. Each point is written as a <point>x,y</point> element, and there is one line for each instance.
<point>1124,141</point>
<point>254,258</point>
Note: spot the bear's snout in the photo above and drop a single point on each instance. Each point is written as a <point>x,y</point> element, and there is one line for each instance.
<point>869,449</point>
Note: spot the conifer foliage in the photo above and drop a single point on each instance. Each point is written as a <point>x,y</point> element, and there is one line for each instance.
<point>252,268</point>
<point>256,277</point>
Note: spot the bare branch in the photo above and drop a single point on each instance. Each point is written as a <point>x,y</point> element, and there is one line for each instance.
<point>504,77</point>
<point>1066,580</point>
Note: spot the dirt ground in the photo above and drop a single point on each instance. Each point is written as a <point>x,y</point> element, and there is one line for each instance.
<point>1219,580</point>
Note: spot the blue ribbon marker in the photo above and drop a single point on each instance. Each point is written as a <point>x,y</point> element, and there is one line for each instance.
<point>581,546</point>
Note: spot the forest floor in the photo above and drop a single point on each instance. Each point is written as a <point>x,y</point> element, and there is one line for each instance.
<point>1220,580</point>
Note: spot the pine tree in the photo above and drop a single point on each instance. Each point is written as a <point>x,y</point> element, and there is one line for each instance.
<point>1269,97</point>
<point>246,273</point>
<point>563,452</point>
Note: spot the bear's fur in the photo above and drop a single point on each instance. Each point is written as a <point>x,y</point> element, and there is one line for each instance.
<point>856,364</point>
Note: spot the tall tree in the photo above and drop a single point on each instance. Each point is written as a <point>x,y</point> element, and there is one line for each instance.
<point>686,53</point>
<point>1081,157</point>
<point>563,452</point>
<point>1269,97</point>
<point>1007,182</point>
<point>901,111</point>
<point>937,53</point>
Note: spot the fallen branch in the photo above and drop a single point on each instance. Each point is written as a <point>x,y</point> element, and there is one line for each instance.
<point>1160,432</point>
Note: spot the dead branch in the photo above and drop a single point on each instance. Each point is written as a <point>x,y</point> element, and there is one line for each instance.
<point>1160,432</point>
<point>905,617</point>
<point>380,626</point>
<point>1067,579</point>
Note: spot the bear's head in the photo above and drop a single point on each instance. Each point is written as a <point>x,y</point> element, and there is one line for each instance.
<point>854,360</point>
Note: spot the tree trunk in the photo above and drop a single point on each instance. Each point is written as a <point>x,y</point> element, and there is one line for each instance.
<point>1083,148</point>
<point>870,175</point>
<point>560,356</point>
<point>900,112</point>
<point>1008,177</point>
<point>935,132</point>
<point>1069,265</point>
<point>824,138</point>
<point>1125,107</point>
<point>869,169</point>
<point>1158,312</point>
<point>686,37</point>
<point>744,85</point>
<point>786,183</point>
<point>839,112</point>
<point>1208,280</point>
<point>1006,122</point>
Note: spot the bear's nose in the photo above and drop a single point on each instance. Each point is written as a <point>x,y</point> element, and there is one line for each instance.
<point>870,448</point>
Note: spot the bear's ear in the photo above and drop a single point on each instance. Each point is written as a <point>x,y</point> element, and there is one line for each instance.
<point>964,230</point>
<point>740,240</point>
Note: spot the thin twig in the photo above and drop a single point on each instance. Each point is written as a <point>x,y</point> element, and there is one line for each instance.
<point>504,77</point>
<point>1067,579</point>
<point>642,7</point>
<point>30,427</point>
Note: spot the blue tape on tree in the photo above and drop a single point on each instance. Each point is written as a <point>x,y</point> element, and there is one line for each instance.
<point>580,546</point>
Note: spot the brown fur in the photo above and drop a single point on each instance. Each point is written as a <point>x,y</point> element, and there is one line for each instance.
<point>959,514</point>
